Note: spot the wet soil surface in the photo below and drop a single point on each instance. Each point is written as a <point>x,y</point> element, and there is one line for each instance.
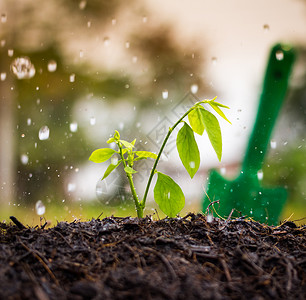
<point>128,258</point>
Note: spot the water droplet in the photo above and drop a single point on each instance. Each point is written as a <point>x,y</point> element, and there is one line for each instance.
<point>73,126</point>
<point>144,19</point>
<point>81,53</point>
<point>106,41</point>
<point>2,76</point>
<point>127,86</point>
<point>92,121</point>
<point>194,88</point>
<point>44,133</point>
<point>279,55</point>
<point>40,208</point>
<point>24,159</point>
<point>29,121</point>
<point>260,175</point>
<point>3,18</point>
<point>114,160</point>
<point>165,94</point>
<point>266,27</point>
<point>134,59</point>
<point>273,144</point>
<point>72,77</point>
<point>114,21</point>
<point>52,66</point>
<point>10,52</point>
<point>82,4</point>
<point>2,43</point>
<point>127,45</point>
<point>121,125</point>
<point>88,24</point>
<point>192,164</point>
<point>214,60</point>
<point>22,68</point>
<point>209,218</point>
<point>223,171</point>
<point>168,195</point>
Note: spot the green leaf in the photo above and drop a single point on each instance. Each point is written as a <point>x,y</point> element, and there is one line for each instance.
<point>117,135</point>
<point>145,154</point>
<point>111,140</point>
<point>213,130</point>
<point>188,149</point>
<point>129,170</point>
<point>101,155</point>
<point>111,168</point>
<point>196,120</point>
<point>168,195</point>
<point>215,106</point>
<point>126,144</point>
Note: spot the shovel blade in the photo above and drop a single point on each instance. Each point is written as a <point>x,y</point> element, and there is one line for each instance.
<point>245,196</point>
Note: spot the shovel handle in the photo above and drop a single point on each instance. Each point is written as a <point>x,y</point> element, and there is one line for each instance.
<point>274,90</point>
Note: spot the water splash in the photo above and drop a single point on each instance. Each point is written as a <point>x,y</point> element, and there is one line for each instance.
<point>22,68</point>
<point>44,133</point>
<point>40,208</point>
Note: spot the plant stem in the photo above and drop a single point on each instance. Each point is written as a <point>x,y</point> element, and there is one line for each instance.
<point>139,208</point>
<point>143,202</point>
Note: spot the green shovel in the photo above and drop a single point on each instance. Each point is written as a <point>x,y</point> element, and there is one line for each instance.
<point>245,194</point>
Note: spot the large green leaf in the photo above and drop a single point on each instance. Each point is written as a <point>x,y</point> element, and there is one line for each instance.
<point>188,149</point>
<point>213,130</point>
<point>101,155</point>
<point>168,195</point>
<point>145,154</point>
<point>111,168</point>
<point>196,120</point>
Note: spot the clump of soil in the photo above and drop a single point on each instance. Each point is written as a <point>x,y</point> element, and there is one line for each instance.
<point>130,258</point>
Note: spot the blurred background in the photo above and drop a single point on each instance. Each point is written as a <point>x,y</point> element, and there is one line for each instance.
<point>73,71</point>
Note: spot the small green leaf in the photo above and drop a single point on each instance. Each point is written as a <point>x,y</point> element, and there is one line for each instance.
<point>213,130</point>
<point>111,168</point>
<point>188,149</point>
<point>215,106</point>
<point>101,155</point>
<point>145,154</point>
<point>111,140</point>
<point>168,195</point>
<point>133,142</point>
<point>117,135</point>
<point>126,144</point>
<point>129,170</point>
<point>196,120</point>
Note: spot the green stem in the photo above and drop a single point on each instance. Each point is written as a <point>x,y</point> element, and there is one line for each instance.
<point>139,207</point>
<point>143,202</point>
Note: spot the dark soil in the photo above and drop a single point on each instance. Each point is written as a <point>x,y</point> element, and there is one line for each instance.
<point>128,258</point>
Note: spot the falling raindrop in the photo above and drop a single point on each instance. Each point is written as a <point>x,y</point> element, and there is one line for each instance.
<point>40,208</point>
<point>266,27</point>
<point>209,218</point>
<point>127,86</point>
<point>71,187</point>
<point>2,43</point>
<point>114,21</point>
<point>273,144</point>
<point>279,55</point>
<point>260,175</point>
<point>194,88</point>
<point>81,53</point>
<point>88,24</point>
<point>72,77</point>
<point>192,164</point>
<point>82,4</point>
<point>144,19</point>
<point>73,126</point>
<point>121,125</point>
<point>92,121</point>
<point>2,76</point>
<point>29,121</point>
<point>165,94</point>
<point>127,45</point>
<point>106,41</point>
<point>10,52</point>
<point>134,59</point>
<point>223,171</point>
<point>44,133</point>
<point>52,66</point>
<point>22,68</point>
<point>3,18</point>
<point>24,159</point>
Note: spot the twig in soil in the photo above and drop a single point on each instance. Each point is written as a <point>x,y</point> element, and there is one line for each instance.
<point>210,204</point>
<point>164,260</point>
<point>226,270</point>
<point>17,223</point>
<point>38,257</point>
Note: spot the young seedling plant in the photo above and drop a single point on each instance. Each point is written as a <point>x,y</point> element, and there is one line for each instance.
<point>167,193</point>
